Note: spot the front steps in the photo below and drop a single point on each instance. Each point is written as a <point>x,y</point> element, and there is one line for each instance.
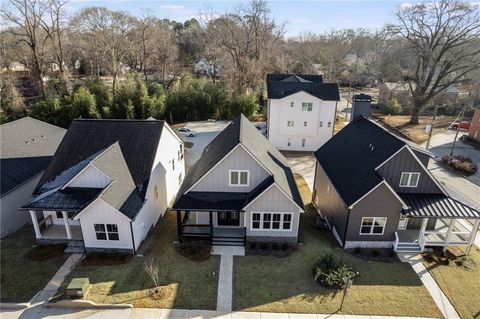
<point>75,246</point>
<point>228,241</point>
<point>408,248</point>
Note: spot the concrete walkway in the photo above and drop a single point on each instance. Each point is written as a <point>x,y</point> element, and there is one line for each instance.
<point>435,291</point>
<point>224,292</point>
<point>51,288</point>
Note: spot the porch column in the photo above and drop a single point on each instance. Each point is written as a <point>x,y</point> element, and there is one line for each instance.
<point>473,234</point>
<point>67,225</point>
<point>449,233</point>
<point>179,223</point>
<point>421,234</point>
<point>36,227</point>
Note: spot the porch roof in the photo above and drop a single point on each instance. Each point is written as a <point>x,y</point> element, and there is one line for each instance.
<point>70,198</point>
<point>211,201</point>
<point>436,205</point>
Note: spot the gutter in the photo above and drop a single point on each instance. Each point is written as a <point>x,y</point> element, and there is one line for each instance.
<point>133,239</point>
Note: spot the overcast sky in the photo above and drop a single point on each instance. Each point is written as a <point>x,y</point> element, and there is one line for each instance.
<point>299,16</point>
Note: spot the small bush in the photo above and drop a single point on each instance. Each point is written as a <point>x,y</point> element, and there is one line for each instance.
<point>357,250</point>
<point>461,164</point>
<point>285,246</point>
<point>195,250</point>
<point>275,246</point>
<point>375,253</point>
<point>263,246</point>
<point>393,107</point>
<point>331,272</point>
<point>466,262</point>
<point>253,245</point>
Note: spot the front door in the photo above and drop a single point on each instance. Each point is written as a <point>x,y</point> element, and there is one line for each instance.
<point>228,219</point>
<point>403,222</point>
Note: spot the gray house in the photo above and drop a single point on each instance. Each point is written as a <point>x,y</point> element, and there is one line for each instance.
<point>240,189</point>
<point>374,189</point>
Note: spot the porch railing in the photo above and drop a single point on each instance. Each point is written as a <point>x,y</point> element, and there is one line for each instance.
<point>395,244</point>
<point>45,223</point>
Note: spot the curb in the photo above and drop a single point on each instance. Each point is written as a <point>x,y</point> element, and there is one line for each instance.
<point>13,306</point>
<point>85,304</point>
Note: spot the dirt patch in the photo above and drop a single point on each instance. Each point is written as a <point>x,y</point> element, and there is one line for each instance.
<point>303,188</point>
<point>195,250</point>
<point>106,259</point>
<point>45,252</point>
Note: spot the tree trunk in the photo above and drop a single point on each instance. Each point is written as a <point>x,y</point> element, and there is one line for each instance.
<point>417,106</point>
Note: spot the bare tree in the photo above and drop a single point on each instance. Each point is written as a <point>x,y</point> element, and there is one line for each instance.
<point>444,39</point>
<point>152,270</point>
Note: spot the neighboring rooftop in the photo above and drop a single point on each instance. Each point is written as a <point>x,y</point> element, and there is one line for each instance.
<point>29,137</point>
<point>282,85</point>
<point>240,130</point>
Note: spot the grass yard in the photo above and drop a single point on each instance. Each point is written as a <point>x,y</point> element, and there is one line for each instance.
<point>26,270</point>
<point>272,284</point>
<point>184,283</point>
<point>460,285</point>
<point>417,132</point>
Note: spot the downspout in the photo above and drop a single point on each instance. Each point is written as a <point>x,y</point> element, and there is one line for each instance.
<point>133,239</point>
<point>346,229</point>
<point>334,118</point>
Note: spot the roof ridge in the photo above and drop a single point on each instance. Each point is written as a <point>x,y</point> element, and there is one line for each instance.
<point>118,120</point>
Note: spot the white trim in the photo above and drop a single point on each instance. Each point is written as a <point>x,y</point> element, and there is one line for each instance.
<point>244,208</point>
<point>281,190</point>
<point>165,124</point>
<point>404,205</point>
<point>410,174</point>
<point>335,234</point>
<point>373,226</point>
<point>239,171</point>
<point>94,201</point>
<point>388,159</point>
<point>379,184</point>
<point>405,219</point>
<point>271,221</point>
<point>256,159</point>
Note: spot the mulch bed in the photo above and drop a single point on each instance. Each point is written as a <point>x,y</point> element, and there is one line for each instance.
<point>106,259</point>
<point>269,249</point>
<point>44,252</point>
<point>196,250</point>
<point>382,255</point>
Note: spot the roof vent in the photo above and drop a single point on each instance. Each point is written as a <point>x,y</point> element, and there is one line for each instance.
<point>372,147</point>
<point>207,149</point>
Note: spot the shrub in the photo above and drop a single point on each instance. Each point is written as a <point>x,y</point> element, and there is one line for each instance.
<point>375,253</point>
<point>253,245</point>
<point>275,246</point>
<point>263,246</point>
<point>285,246</point>
<point>332,272</point>
<point>393,107</point>
<point>357,250</point>
<point>466,262</point>
<point>461,164</point>
<point>195,250</point>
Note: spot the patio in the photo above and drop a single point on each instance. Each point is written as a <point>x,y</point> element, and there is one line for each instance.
<point>59,232</point>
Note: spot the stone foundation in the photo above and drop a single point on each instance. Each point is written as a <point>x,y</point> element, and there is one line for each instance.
<point>368,244</point>
<point>109,250</point>
<point>272,239</point>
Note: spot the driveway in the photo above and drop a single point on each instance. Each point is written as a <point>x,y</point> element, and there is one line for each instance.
<point>302,163</point>
<point>442,143</point>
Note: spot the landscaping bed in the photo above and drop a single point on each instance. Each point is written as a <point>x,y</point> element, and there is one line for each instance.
<point>182,282</point>
<point>271,284</point>
<point>25,267</point>
<point>459,278</point>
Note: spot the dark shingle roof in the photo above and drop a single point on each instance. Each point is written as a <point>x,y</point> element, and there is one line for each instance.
<point>324,91</point>
<point>70,198</point>
<point>240,130</point>
<point>436,205</point>
<point>138,140</point>
<point>351,156</point>
<point>286,77</point>
<point>132,205</point>
<point>16,171</point>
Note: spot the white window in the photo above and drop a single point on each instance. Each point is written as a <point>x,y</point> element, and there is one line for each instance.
<point>59,214</point>
<point>409,179</point>
<point>305,123</point>
<point>180,153</point>
<point>289,142</point>
<point>173,164</point>
<point>180,179</point>
<point>373,225</point>
<point>320,124</point>
<point>290,123</point>
<point>303,142</point>
<point>292,104</point>
<point>155,192</point>
<point>329,124</point>
<point>328,188</point>
<point>239,178</point>
<point>307,106</point>
<point>102,230</point>
<point>272,221</point>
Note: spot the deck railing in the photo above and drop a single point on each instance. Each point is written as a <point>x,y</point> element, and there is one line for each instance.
<point>395,244</point>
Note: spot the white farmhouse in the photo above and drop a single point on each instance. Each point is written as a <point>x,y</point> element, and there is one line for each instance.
<point>108,184</point>
<point>301,111</point>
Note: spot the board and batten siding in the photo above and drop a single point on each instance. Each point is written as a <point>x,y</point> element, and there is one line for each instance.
<point>329,205</point>
<point>405,162</point>
<point>381,202</point>
<point>217,180</point>
<point>90,177</point>
<point>272,201</point>
<point>100,212</point>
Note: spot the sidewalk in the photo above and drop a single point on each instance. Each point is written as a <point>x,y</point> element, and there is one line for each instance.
<point>435,291</point>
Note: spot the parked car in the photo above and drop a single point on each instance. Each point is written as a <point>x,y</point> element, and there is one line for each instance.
<point>186,132</point>
<point>462,125</point>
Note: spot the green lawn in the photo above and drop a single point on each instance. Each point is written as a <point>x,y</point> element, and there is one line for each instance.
<point>22,276</point>
<point>185,283</point>
<point>286,284</point>
<point>460,285</point>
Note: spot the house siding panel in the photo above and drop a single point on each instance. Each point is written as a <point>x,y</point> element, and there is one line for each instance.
<point>217,180</point>
<point>381,202</point>
<point>405,162</point>
<point>474,131</point>
<point>330,206</point>
<point>90,177</point>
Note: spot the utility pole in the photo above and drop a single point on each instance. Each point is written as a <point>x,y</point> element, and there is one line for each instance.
<point>458,129</point>
<point>431,126</point>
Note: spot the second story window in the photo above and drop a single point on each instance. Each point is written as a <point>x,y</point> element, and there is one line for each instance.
<point>307,106</point>
<point>292,104</point>
<point>290,123</point>
<point>305,123</point>
<point>239,178</point>
<point>409,179</point>
<point>303,142</point>
<point>329,124</point>
<point>320,124</point>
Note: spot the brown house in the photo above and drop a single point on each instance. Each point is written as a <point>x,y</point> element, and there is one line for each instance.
<point>374,190</point>
<point>474,131</point>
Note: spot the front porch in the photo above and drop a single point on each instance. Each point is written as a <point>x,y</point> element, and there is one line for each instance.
<point>48,231</point>
<point>227,231</point>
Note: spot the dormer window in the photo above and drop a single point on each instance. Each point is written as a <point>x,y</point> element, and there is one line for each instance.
<point>239,178</point>
<point>409,179</point>
<point>307,106</point>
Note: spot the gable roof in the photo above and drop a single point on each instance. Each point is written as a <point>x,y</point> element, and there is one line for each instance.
<point>138,141</point>
<point>288,77</point>
<point>324,91</point>
<point>241,131</point>
<point>29,137</point>
<point>351,157</point>
<point>16,171</point>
